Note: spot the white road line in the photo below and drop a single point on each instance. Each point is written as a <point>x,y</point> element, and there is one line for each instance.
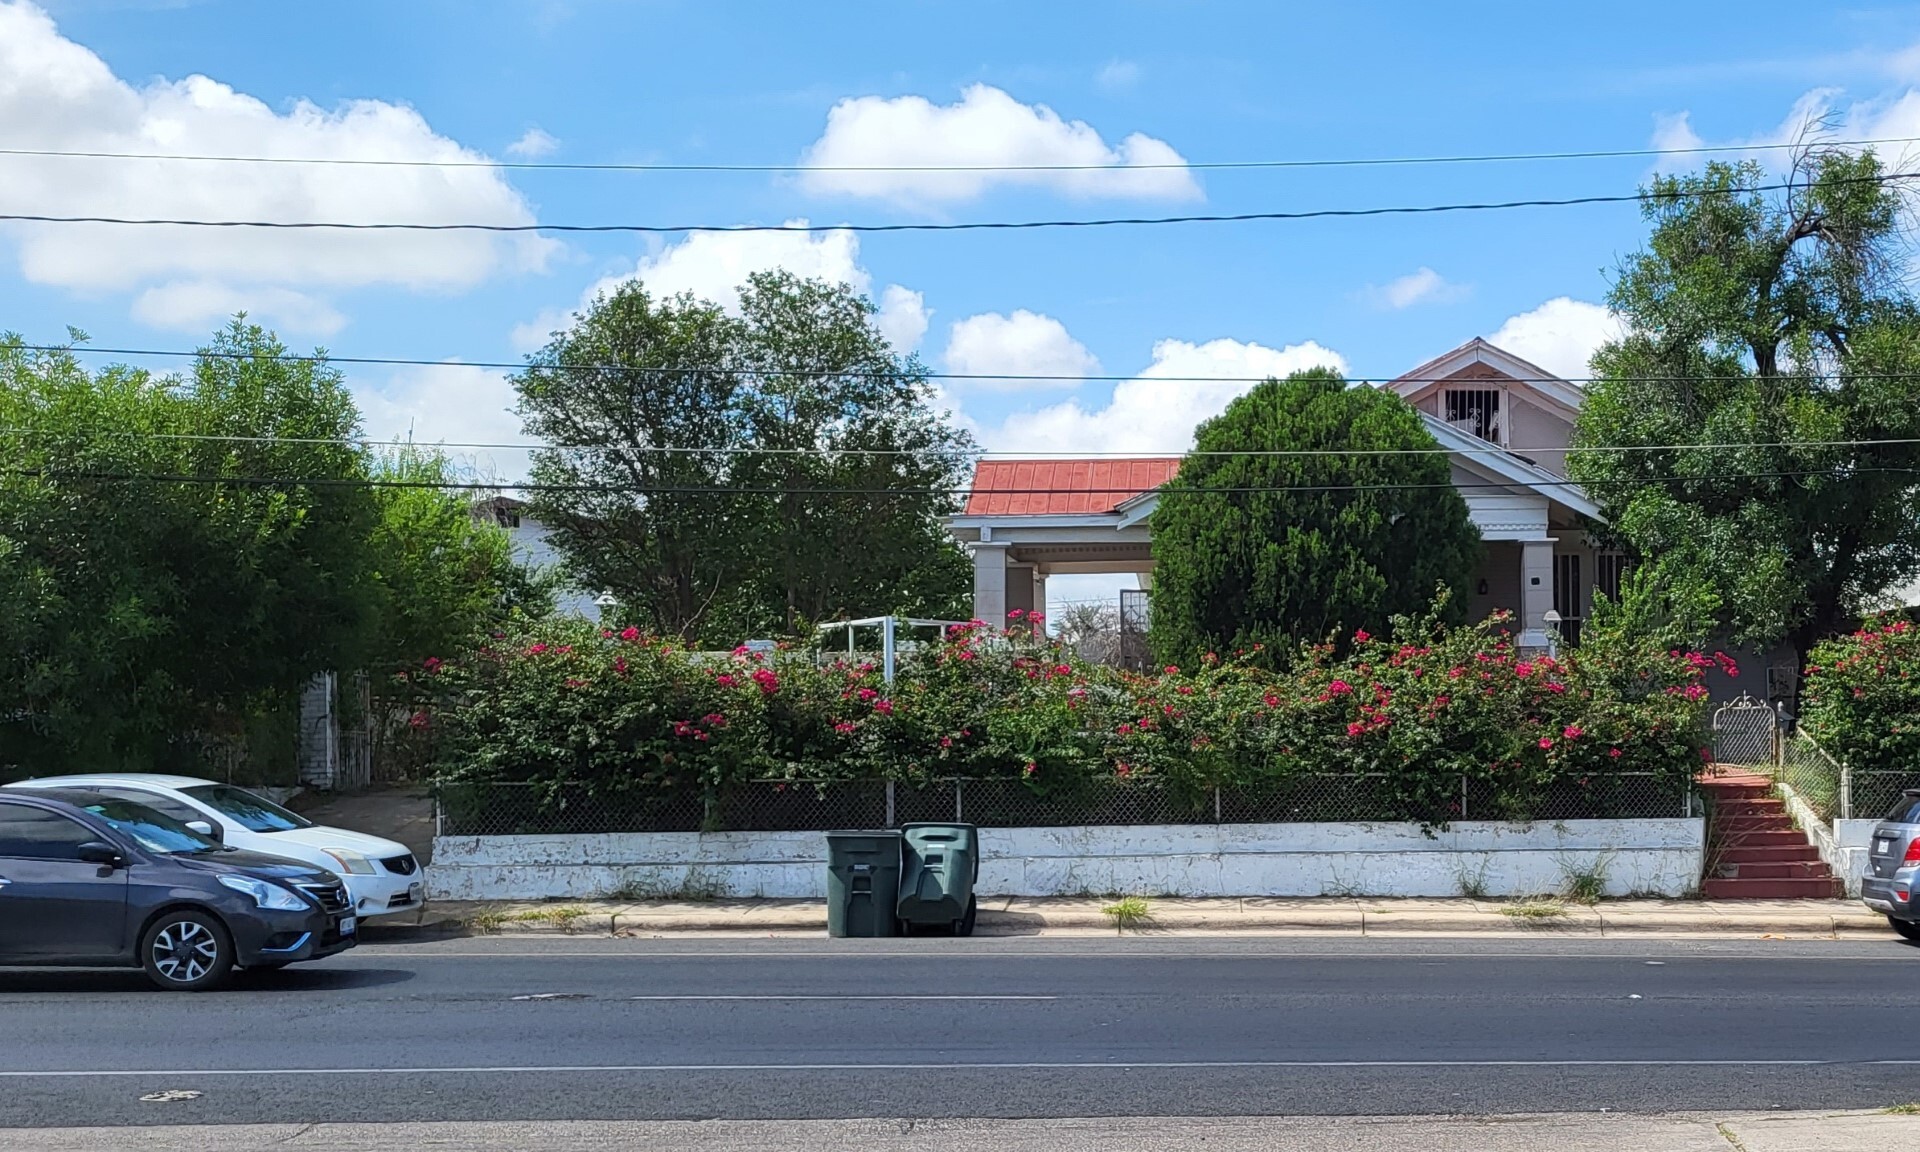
<point>797,997</point>
<point>363,957</point>
<point>988,1066</point>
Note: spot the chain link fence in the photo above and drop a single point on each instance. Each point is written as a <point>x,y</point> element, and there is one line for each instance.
<point>1874,794</point>
<point>1817,778</point>
<point>519,809</point>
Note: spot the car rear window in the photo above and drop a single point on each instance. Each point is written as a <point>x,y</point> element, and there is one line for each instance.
<point>1906,810</point>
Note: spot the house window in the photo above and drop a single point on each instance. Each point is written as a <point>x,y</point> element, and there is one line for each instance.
<point>1566,596</point>
<point>1476,410</point>
<point>1609,572</point>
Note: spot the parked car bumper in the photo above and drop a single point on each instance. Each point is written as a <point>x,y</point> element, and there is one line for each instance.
<point>385,894</point>
<point>1892,895</point>
<point>273,937</point>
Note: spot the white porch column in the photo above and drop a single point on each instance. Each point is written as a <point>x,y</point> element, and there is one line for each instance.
<point>1536,592</point>
<point>990,583</point>
<point>1039,590</point>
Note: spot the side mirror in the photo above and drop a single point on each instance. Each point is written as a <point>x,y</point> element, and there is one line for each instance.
<point>97,852</point>
<point>203,827</point>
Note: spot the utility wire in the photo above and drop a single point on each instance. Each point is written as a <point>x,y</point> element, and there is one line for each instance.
<point>965,226</point>
<point>1201,165</point>
<point>869,373</point>
<point>997,456</point>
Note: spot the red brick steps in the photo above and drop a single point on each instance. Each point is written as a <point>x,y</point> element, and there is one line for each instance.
<point>1754,850</point>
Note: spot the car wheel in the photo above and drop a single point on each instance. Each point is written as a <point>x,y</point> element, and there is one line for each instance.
<point>187,951</point>
<point>1908,929</point>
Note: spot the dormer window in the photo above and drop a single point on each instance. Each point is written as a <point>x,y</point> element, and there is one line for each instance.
<point>1476,411</point>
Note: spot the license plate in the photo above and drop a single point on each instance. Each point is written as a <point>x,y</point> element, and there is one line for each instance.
<point>1882,847</point>
<point>348,924</point>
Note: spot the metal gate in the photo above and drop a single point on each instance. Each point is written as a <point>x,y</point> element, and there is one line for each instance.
<point>1744,732</point>
<point>1134,654</point>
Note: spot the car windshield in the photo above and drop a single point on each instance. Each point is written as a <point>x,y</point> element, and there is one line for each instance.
<point>255,813</point>
<point>154,831</point>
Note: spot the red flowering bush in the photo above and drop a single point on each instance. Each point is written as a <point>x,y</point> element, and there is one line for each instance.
<point>1419,711</point>
<point>1862,696</point>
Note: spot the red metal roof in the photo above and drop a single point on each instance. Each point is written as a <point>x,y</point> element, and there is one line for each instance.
<point>1064,487</point>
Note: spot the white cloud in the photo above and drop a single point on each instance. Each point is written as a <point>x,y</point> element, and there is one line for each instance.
<point>533,144</point>
<point>1422,286</point>
<point>903,318</point>
<point>55,93</point>
<point>714,265</point>
<point>1155,414</point>
<point>986,127</point>
<point>449,404</point>
<point>199,305</point>
<point>1118,74</point>
<point>1560,335</point>
<point>1023,344</point>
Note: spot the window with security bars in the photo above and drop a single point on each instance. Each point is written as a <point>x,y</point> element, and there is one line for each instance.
<point>1566,596</point>
<point>1609,573</point>
<point>1476,410</point>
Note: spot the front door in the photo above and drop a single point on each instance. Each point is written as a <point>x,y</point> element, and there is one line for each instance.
<point>54,905</point>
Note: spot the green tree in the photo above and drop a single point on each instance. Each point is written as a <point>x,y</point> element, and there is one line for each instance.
<point>1274,549</point>
<point>444,575</point>
<point>728,474</point>
<point>178,552</point>
<point>1781,321</point>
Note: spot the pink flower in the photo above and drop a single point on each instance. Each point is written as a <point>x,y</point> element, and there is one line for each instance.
<point>1707,755</point>
<point>725,681</point>
<point>682,728</point>
<point>703,736</point>
<point>884,707</point>
<point>1015,614</point>
<point>1035,617</point>
<point>576,682</point>
<point>536,649</point>
<point>1572,732</point>
<point>714,720</point>
<point>620,665</point>
<point>769,683</point>
<point>1546,741</point>
<point>1614,753</point>
<point>1523,669</point>
<point>1270,700</point>
<point>419,720</point>
<point>844,727</point>
<point>1356,729</point>
<point>1555,687</point>
<point>946,741</point>
<point>1339,687</point>
<point>1362,636</point>
<point>433,664</point>
<point>1173,670</point>
<point>629,634</point>
<point>1030,769</point>
<point>1455,672</point>
<point>1125,729</point>
<point>867,693</point>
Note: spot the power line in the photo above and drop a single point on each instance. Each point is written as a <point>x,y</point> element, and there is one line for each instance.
<point>1199,165</point>
<point>864,373</point>
<point>997,456</point>
<point>930,490</point>
<point>964,226</point>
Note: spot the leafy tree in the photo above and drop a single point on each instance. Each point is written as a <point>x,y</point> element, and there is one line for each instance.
<point>1782,321</point>
<point>723,475</point>
<point>443,574</point>
<point>177,552</point>
<point>1273,549</point>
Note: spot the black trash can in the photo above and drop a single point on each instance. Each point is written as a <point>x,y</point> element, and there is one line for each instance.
<point>939,864</point>
<point>863,883</point>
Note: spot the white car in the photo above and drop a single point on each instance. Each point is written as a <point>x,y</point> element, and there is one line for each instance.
<point>381,876</point>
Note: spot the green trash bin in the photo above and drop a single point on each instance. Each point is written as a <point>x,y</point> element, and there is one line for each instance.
<point>863,883</point>
<point>939,864</point>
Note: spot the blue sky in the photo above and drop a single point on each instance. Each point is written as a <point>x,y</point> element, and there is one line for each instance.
<point>974,82</point>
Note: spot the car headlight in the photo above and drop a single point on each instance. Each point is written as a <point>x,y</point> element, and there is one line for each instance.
<point>350,862</point>
<point>266,895</point>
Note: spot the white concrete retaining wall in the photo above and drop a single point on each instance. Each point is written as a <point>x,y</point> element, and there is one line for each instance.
<point>1852,847</point>
<point>1635,856</point>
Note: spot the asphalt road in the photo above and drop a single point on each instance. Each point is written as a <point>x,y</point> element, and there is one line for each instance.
<point>608,1030</point>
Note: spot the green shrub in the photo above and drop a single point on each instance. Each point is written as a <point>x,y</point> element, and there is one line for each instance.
<point>1862,696</point>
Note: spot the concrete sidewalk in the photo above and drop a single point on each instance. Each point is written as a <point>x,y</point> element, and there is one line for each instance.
<point>1005,916</point>
<point>1566,1132</point>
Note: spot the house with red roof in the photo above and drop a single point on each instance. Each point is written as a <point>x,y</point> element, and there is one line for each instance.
<point>1504,422</point>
